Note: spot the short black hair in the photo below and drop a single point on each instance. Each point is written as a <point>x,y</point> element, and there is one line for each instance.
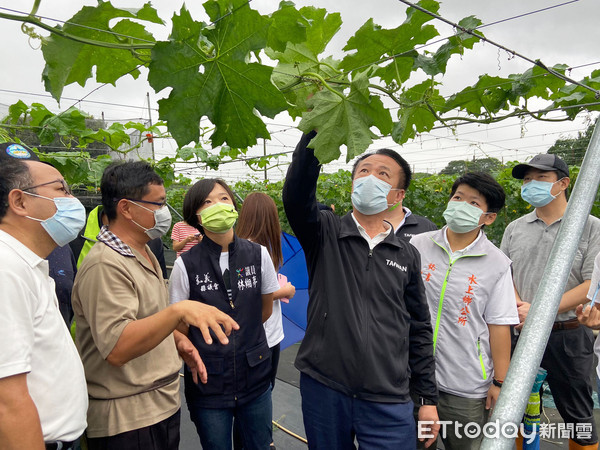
<point>486,185</point>
<point>197,194</point>
<point>406,173</point>
<point>14,174</point>
<point>130,179</point>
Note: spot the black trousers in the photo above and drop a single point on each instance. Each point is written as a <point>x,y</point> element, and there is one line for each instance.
<point>569,360</point>
<point>163,435</point>
<point>237,435</point>
<point>275,351</point>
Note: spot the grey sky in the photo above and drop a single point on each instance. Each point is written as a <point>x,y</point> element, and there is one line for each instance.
<point>568,34</point>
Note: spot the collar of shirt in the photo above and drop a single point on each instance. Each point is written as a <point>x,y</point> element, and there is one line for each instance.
<point>112,240</point>
<point>407,212</point>
<point>22,250</point>
<point>377,239</point>
<point>532,217</point>
<point>457,253</point>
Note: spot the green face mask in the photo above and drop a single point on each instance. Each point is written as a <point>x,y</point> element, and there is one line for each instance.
<point>218,218</point>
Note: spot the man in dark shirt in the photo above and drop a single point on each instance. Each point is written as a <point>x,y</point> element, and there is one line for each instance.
<point>368,325</point>
<point>63,269</point>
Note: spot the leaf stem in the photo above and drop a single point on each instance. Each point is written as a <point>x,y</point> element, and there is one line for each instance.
<point>35,7</point>
<point>372,86</point>
<point>324,83</point>
<point>34,21</point>
<point>328,65</point>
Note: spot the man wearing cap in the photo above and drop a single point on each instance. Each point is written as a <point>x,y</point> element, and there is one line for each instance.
<point>527,242</point>
<point>43,396</point>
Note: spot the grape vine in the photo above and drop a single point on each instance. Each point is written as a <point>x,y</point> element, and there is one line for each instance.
<point>244,66</point>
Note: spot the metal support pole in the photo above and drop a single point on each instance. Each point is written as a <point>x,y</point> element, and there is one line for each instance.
<point>265,154</point>
<point>538,325</point>
<point>150,122</point>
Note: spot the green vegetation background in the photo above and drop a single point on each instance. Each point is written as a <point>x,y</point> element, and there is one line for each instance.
<point>426,196</point>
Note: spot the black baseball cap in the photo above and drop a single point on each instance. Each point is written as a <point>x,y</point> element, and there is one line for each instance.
<point>544,161</point>
<point>12,150</point>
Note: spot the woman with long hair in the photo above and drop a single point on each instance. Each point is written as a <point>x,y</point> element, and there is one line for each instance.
<point>236,276</point>
<point>259,222</point>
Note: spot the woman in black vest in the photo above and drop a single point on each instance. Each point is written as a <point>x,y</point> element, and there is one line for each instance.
<point>238,277</point>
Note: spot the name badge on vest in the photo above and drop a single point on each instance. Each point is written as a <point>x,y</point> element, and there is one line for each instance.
<point>246,278</point>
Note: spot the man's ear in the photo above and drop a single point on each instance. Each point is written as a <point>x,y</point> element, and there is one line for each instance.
<point>400,195</point>
<point>564,183</point>
<point>489,218</point>
<point>17,202</point>
<point>124,209</point>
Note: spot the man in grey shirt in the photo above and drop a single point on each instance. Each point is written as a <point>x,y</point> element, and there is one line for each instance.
<point>527,242</point>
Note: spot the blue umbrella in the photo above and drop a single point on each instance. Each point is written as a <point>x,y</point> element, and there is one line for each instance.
<point>294,312</point>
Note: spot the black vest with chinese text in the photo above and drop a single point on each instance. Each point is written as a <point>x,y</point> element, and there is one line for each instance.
<point>237,372</point>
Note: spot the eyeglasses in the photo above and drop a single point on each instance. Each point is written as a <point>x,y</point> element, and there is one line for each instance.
<point>161,204</point>
<point>65,187</point>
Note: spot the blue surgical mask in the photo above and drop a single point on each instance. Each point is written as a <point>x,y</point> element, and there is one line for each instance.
<point>65,224</point>
<point>462,217</point>
<point>537,193</point>
<point>369,195</point>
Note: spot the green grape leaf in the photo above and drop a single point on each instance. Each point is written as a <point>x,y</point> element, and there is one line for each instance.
<point>73,166</point>
<point>164,168</point>
<point>296,61</point>
<point>232,153</point>
<point>537,82</point>
<point>186,153</point>
<point>345,120</point>
<point>416,117</point>
<point>488,95</point>
<point>66,123</point>
<point>436,64</point>
<point>96,169</point>
<point>373,43</point>
<point>16,110</point>
<point>220,85</point>
<point>300,58</point>
<point>142,128</point>
<point>69,61</point>
<point>113,136</point>
<point>322,27</point>
<point>573,95</point>
<point>288,26</point>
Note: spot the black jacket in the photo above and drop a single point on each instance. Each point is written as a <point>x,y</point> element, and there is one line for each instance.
<point>415,224</point>
<point>368,323</point>
<point>239,371</point>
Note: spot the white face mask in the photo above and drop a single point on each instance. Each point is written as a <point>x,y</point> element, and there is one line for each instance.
<point>162,221</point>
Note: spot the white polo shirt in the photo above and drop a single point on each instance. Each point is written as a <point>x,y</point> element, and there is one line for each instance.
<point>34,340</point>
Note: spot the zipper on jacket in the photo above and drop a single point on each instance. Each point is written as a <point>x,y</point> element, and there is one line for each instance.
<point>438,318</point>
<point>483,373</point>
<point>231,304</point>
<point>235,389</point>
<point>369,258</point>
